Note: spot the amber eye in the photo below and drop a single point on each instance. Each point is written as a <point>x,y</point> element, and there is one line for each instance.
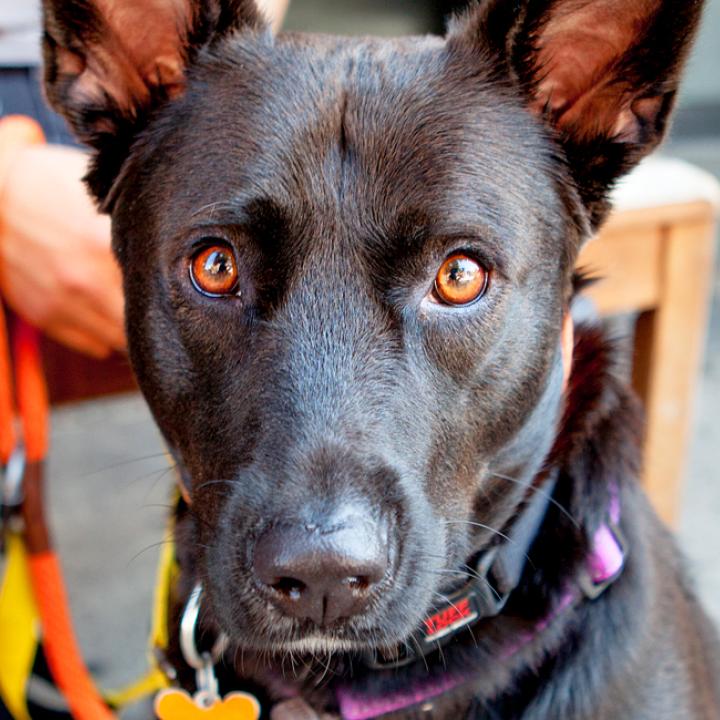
<point>213,271</point>
<point>461,280</point>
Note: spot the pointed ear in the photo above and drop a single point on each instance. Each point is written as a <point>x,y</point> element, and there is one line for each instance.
<point>109,63</point>
<point>602,73</point>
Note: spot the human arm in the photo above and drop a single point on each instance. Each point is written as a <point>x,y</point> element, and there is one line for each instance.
<point>56,267</point>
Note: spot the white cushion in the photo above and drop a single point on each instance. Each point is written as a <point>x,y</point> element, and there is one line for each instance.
<point>665,181</point>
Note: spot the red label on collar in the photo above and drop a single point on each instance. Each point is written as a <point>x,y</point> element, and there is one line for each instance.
<point>454,616</point>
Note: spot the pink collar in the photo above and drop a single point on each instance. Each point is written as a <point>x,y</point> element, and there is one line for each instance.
<point>603,566</point>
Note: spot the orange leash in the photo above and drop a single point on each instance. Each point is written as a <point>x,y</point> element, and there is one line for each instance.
<point>61,648</point>
<point>59,642</point>
<point>8,435</point>
<point>16,132</point>
<point>29,391</point>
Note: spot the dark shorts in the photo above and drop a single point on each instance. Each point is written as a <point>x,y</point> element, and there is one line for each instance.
<point>21,94</point>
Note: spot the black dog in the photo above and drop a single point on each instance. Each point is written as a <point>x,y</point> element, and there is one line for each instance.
<point>348,265</point>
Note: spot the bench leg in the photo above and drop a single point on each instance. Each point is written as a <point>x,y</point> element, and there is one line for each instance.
<point>669,342</point>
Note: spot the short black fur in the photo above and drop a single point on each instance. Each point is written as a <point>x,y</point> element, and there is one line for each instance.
<point>334,389</point>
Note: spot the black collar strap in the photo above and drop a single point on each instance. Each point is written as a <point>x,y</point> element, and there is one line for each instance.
<point>604,564</point>
<point>495,574</point>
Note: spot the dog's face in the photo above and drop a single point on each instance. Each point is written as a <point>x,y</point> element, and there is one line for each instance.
<point>347,264</point>
<point>333,379</point>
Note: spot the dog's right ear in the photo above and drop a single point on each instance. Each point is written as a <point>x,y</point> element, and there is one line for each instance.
<point>109,63</point>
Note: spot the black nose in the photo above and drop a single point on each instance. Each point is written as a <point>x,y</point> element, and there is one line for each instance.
<point>322,573</point>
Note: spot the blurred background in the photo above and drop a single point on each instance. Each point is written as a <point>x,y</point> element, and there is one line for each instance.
<point>108,475</point>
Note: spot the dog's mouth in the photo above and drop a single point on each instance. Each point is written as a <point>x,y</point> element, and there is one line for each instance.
<point>414,608</point>
<point>384,629</point>
<point>381,645</point>
<point>279,634</point>
<point>390,633</point>
<point>390,579</point>
<point>373,641</point>
<point>325,581</point>
<point>319,644</point>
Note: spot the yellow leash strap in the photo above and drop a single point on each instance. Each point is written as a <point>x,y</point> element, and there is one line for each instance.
<point>19,628</point>
<point>155,679</point>
<point>149,684</point>
<point>20,631</point>
<point>167,576</point>
<point>20,625</point>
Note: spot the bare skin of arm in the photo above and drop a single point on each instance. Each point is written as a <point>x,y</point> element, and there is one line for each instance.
<point>56,267</point>
<point>274,10</point>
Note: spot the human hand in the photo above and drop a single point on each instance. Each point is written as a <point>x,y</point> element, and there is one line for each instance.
<point>274,10</point>
<point>56,267</point>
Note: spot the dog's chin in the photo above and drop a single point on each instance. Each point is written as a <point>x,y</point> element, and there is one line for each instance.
<point>320,644</point>
<point>317,641</point>
<point>280,635</point>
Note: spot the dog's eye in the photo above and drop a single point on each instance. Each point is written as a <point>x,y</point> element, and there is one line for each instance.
<point>461,280</point>
<point>213,271</point>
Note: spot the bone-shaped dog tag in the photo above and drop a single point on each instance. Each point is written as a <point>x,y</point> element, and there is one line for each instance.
<point>206,703</point>
<point>175,704</point>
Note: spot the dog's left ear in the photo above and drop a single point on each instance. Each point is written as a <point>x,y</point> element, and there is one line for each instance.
<point>110,63</point>
<point>602,73</point>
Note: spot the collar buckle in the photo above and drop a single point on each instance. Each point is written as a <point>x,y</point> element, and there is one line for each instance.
<point>491,596</point>
<point>606,562</point>
<point>478,599</point>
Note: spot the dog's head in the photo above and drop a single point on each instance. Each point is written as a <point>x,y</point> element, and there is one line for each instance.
<point>347,264</point>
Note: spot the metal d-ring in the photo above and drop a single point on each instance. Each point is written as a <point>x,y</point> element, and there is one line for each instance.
<point>188,624</point>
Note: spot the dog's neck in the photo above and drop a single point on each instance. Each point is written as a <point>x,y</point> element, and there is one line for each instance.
<point>487,667</point>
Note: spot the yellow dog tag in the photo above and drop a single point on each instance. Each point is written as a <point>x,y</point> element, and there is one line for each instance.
<point>175,704</point>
